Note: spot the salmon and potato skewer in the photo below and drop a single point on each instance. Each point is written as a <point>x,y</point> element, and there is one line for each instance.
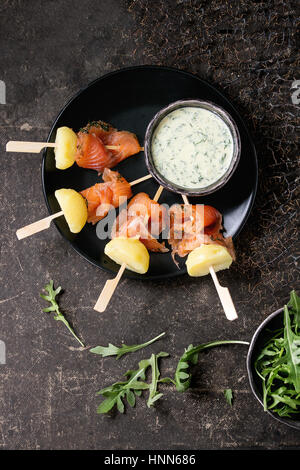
<point>134,233</point>
<point>96,146</point>
<point>195,230</point>
<point>131,251</point>
<point>89,205</point>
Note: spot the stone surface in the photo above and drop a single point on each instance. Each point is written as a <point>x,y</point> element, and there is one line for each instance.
<point>49,50</point>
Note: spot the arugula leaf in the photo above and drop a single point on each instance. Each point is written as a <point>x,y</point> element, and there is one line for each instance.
<point>228,395</point>
<point>116,392</point>
<point>294,304</point>
<point>112,350</point>
<point>182,376</point>
<point>133,385</point>
<point>292,348</point>
<point>154,395</point>
<point>51,297</point>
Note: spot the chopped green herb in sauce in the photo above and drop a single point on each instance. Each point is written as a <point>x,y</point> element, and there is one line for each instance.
<point>192,159</point>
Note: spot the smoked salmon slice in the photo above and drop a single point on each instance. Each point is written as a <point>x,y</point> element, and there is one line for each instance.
<point>119,186</point>
<point>99,195</point>
<point>194,225</point>
<point>136,227</point>
<point>91,153</point>
<point>152,211</point>
<point>92,140</point>
<point>152,244</point>
<point>104,196</point>
<point>127,141</point>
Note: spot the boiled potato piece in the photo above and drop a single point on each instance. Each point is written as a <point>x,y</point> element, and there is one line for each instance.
<point>65,150</point>
<point>201,258</point>
<point>74,208</point>
<point>130,251</point>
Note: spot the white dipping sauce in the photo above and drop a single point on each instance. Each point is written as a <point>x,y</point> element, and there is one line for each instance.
<point>192,147</point>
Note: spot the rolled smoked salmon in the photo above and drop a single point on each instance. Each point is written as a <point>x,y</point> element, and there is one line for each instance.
<point>91,153</point>
<point>92,141</point>
<point>103,196</point>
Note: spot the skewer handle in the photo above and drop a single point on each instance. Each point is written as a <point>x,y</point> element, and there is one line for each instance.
<point>224,296</point>
<point>36,226</point>
<point>27,147</point>
<point>108,290</point>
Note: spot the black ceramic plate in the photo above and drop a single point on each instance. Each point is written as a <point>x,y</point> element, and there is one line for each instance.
<point>128,99</point>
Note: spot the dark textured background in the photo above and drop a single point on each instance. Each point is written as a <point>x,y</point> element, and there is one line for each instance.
<point>49,50</point>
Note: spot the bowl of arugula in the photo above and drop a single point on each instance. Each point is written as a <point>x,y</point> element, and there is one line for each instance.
<point>273,363</point>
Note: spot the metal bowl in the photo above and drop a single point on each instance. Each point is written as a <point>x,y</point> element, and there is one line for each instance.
<point>263,333</point>
<point>221,113</point>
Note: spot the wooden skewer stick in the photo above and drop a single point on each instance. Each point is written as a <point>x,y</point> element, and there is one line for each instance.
<point>111,285</point>
<point>108,290</point>
<point>185,199</point>
<point>116,147</point>
<point>158,193</point>
<point>36,147</point>
<point>139,180</point>
<point>223,292</point>
<point>224,296</point>
<point>43,224</point>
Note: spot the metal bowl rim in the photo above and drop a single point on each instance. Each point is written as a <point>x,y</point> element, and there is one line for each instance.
<point>227,119</point>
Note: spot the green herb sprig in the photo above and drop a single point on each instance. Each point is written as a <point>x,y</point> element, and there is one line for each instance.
<point>112,350</point>
<point>154,395</point>
<point>132,386</point>
<point>51,297</point>
<point>182,375</point>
